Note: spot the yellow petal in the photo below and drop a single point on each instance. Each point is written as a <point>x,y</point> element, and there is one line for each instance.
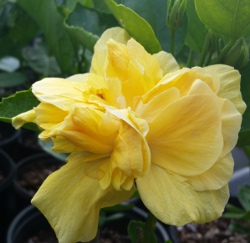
<point>175,202</point>
<point>59,92</point>
<point>131,138</point>
<point>131,153</point>
<point>118,60</point>
<point>19,120</point>
<point>84,128</point>
<point>214,178</point>
<point>185,138</point>
<point>98,64</point>
<point>184,78</point>
<point>167,62</point>
<point>229,84</point>
<point>49,116</point>
<point>150,107</point>
<point>231,124</point>
<point>71,201</point>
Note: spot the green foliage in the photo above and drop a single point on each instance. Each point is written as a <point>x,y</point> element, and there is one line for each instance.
<point>136,231</point>
<point>240,216</point>
<point>244,134</point>
<point>226,17</point>
<point>20,102</point>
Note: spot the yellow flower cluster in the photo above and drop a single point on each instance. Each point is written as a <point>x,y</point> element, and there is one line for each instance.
<point>137,121</point>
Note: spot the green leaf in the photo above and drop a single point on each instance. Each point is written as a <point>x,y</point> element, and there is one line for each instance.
<point>59,41</point>
<point>15,104</point>
<point>196,29</point>
<point>244,135</point>
<point>244,196</point>
<point>136,26</point>
<point>135,231</point>
<point>226,17</point>
<point>8,80</point>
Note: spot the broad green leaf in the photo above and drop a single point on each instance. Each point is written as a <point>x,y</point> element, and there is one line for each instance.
<point>244,196</point>
<point>8,80</point>
<point>136,26</point>
<point>9,64</point>
<point>51,22</point>
<point>196,29</point>
<point>244,135</point>
<point>226,17</point>
<point>15,104</point>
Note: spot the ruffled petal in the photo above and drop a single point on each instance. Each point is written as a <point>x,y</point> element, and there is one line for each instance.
<point>28,116</point>
<point>231,124</point>
<point>71,201</point>
<point>49,116</point>
<point>229,84</point>
<point>99,63</point>
<point>214,178</point>
<point>175,202</point>
<point>167,62</point>
<point>149,107</point>
<point>185,138</point>
<point>59,92</point>
<point>87,129</point>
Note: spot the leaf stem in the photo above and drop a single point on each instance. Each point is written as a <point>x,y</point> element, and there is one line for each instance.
<point>172,37</point>
<point>190,58</point>
<point>223,52</point>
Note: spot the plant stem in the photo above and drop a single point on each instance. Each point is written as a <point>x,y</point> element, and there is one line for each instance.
<point>190,58</point>
<point>172,35</point>
<point>223,52</point>
<point>149,228</point>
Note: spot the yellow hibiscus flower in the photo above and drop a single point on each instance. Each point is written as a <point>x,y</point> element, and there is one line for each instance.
<point>137,120</point>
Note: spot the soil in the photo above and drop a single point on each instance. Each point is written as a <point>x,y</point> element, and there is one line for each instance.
<point>216,231</point>
<point>106,235</point>
<point>33,176</point>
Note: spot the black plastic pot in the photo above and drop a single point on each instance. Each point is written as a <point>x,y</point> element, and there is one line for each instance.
<point>7,170</point>
<point>28,144</point>
<point>8,134</point>
<point>30,175</point>
<point>30,223</point>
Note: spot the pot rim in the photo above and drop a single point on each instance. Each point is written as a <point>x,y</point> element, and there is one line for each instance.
<point>11,167</point>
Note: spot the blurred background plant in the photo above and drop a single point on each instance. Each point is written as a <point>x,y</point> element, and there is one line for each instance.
<point>56,38</point>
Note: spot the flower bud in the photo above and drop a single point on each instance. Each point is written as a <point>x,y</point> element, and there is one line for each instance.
<point>175,13</point>
<point>238,55</point>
